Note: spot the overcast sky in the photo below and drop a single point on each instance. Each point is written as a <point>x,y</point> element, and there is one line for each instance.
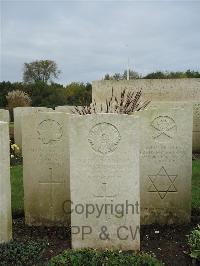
<point>88,39</point>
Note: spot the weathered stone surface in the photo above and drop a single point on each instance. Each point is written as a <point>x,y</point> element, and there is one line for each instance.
<point>5,188</point>
<point>187,90</point>
<point>104,171</point>
<point>19,112</point>
<point>166,163</point>
<point>46,168</point>
<point>152,89</point>
<point>4,115</point>
<point>69,109</point>
<point>196,127</point>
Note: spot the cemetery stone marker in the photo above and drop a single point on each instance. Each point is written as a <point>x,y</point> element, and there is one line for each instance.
<point>166,163</point>
<point>104,175</point>
<point>46,168</point>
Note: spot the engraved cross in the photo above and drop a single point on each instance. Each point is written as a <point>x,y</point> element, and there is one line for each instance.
<point>105,196</point>
<point>105,193</point>
<point>51,182</point>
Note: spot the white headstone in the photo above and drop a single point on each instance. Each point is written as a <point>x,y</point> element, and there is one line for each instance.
<point>69,109</point>
<point>5,188</point>
<point>104,175</point>
<point>46,168</point>
<point>196,127</point>
<point>166,163</point>
<point>4,115</point>
<point>19,112</point>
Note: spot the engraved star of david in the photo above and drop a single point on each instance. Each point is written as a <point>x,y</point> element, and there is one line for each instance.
<point>162,183</point>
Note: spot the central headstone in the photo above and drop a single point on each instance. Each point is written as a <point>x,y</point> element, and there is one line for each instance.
<point>104,181</point>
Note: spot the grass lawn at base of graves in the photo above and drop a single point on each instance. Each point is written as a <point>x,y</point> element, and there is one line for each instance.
<point>17,190</point>
<point>168,243</point>
<point>196,184</point>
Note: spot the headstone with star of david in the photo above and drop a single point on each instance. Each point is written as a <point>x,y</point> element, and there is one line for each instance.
<point>104,173</point>
<point>166,163</point>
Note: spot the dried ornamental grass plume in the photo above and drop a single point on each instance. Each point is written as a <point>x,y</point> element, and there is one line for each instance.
<point>18,98</point>
<point>128,103</point>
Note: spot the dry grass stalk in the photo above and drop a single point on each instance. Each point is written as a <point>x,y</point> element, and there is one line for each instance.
<point>17,98</point>
<point>128,103</point>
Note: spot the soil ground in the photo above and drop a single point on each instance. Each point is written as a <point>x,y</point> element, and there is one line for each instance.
<point>168,243</point>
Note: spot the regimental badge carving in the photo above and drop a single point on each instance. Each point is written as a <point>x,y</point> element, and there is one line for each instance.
<point>49,131</point>
<point>165,128</point>
<point>162,183</point>
<point>104,138</point>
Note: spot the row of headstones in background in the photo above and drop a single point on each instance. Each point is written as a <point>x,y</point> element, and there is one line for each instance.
<point>4,115</point>
<point>5,188</point>
<point>19,111</point>
<point>187,90</point>
<point>103,166</point>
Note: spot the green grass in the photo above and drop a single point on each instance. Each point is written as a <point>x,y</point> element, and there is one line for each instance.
<point>18,193</point>
<point>17,189</point>
<point>11,125</point>
<point>196,184</point>
<point>91,257</point>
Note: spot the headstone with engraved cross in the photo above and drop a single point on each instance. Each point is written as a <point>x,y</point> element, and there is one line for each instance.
<point>104,181</point>
<point>46,168</point>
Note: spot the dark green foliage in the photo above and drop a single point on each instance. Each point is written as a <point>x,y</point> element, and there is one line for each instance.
<point>122,76</point>
<point>91,257</point>
<point>40,70</point>
<point>194,244</point>
<point>154,75</point>
<point>19,253</point>
<point>79,93</point>
<point>172,75</point>
<point>52,95</point>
